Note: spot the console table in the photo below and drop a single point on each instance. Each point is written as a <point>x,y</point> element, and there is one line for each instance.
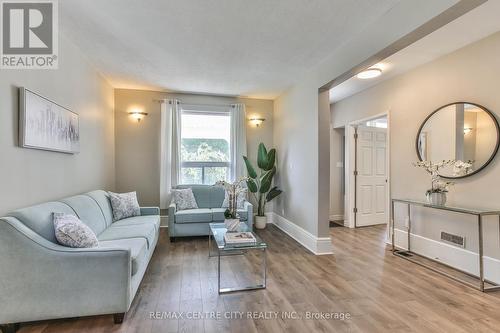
<point>478,213</point>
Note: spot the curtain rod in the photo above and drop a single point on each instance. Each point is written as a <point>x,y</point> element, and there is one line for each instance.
<point>163,100</point>
<point>178,102</point>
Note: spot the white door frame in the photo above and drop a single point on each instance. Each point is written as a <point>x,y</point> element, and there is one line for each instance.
<point>349,167</point>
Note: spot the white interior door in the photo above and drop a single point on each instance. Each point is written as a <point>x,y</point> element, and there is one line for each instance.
<point>371,184</point>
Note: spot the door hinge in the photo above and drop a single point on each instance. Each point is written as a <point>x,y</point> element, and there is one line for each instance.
<point>355,135</point>
<point>355,173</point>
<point>355,210</point>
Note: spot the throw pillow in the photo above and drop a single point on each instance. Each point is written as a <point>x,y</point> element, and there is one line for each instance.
<point>184,199</point>
<point>124,205</point>
<point>240,200</point>
<point>72,232</point>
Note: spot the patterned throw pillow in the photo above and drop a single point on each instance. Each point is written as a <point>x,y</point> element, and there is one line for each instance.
<point>184,199</point>
<point>124,205</point>
<point>240,201</point>
<point>72,232</point>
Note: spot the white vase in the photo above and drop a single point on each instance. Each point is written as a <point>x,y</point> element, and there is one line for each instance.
<point>260,222</point>
<point>232,224</point>
<point>436,198</point>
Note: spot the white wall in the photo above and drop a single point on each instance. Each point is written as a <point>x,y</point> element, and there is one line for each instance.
<point>442,128</point>
<point>295,136</point>
<point>485,138</point>
<point>29,176</point>
<point>296,113</point>
<point>410,98</point>
<point>337,175</point>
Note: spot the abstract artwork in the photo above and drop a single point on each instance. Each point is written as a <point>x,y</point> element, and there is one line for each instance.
<point>46,125</point>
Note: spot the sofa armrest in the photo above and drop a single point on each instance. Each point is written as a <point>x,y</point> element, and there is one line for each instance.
<point>171,219</point>
<point>150,211</point>
<point>249,208</point>
<point>43,280</point>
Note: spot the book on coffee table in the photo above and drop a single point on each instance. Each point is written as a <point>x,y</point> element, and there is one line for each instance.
<point>234,238</point>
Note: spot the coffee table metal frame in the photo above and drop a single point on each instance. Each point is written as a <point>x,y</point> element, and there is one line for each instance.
<point>226,250</point>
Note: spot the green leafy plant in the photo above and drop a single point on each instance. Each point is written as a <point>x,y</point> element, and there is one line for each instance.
<point>259,184</point>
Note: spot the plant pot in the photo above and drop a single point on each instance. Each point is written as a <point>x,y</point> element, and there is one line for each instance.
<point>260,222</point>
<point>232,224</point>
<point>436,198</point>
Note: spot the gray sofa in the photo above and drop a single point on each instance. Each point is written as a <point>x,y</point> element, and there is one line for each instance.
<point>194,222</point>
<point>40,279</point>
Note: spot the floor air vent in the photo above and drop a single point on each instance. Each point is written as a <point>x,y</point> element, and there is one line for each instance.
<point>453,239</point>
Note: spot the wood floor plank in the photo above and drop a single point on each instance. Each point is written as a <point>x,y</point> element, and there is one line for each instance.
<point>380,292</point>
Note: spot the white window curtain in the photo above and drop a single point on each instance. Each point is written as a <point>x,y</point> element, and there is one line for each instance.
<point>170,147</point>
<point>238,141</point>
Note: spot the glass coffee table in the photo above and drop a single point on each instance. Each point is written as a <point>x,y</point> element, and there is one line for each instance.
<point>217,232</point>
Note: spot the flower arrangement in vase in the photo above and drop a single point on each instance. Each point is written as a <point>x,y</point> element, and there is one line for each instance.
<point>436,195</point>
<point>234,189</point>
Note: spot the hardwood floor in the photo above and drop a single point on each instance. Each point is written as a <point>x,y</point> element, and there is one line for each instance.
<point>380,292</point>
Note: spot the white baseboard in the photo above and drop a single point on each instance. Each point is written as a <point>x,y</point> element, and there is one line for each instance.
<point>337,217</point>
<point>453,256</point>
<point>317,245</point>
<point>163,221</point>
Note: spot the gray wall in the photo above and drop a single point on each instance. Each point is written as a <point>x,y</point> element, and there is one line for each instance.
<point>296,133</point>
<point>138,144</point>
<point>337,174</point>
<point>29,176</point>
<point>469,74</point>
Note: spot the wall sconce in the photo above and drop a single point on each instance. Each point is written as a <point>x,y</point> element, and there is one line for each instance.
<point>467,130</point>
<point>257,121</point>
<point>138,115</point>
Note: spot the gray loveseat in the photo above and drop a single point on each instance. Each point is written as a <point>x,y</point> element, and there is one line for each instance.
<point>194,222</point>
<point>40,279</point>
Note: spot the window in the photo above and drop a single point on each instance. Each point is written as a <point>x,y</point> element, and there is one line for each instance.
<point>205,147</point>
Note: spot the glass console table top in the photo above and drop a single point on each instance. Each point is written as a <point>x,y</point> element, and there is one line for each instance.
<point>472,211</point>
<point>218,230</point>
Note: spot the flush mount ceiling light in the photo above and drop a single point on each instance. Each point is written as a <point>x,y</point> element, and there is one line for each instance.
<point>369,73</point>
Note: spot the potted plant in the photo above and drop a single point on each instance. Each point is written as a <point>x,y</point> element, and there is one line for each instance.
<point>231,218</point>
<point>259,184</point>
<point>436,195</point>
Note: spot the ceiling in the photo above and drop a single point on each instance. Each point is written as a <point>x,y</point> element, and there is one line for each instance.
<point>473,26</point>
<point>254,48</point>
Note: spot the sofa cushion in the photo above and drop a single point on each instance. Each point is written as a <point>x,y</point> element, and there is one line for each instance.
<point>114,232</point>
<point>72,232</point>
<point>124,205</point>
<point>193,215</point>
<point>138,250</point>
<point>184,199</point>
<point>138,220</point>
<point>218,214</point>
<point>88,211</point>
<point>207,196</point>
<point>102,199</point>
<point>39,218</point>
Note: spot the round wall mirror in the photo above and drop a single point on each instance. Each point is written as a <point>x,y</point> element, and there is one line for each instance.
<point>466,134</point>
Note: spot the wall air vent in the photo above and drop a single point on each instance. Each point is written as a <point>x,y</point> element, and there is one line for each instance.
<point>453,239</point>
